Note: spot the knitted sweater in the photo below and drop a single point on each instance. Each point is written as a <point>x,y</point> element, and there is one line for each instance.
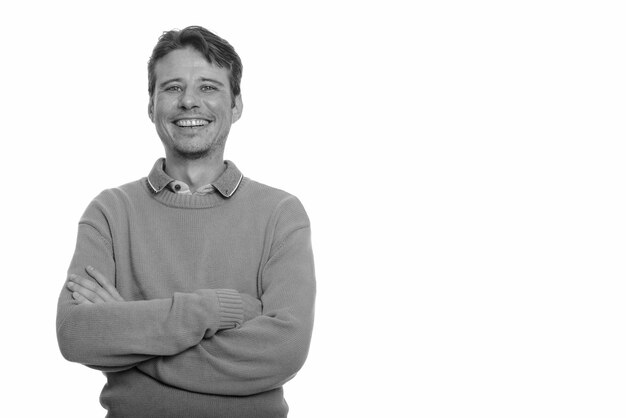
<point>187,341</point>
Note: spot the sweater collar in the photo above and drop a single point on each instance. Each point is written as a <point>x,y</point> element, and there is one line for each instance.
<point>227,183</point>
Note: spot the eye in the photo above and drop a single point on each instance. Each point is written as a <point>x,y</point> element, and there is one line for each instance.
<point>173,88</point>
<point>208,88</point>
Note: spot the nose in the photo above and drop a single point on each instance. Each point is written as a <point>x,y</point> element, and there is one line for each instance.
<point>188,99</point>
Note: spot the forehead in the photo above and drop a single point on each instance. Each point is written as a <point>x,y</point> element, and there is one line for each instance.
<point>188,64</point>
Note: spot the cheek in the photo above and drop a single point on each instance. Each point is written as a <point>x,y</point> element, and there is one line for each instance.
<point>161,120</point>
<point>218,105</point>
<point>164,105</point>
<point>161,123</point>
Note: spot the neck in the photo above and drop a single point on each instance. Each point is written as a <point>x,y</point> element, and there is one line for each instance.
<point>195,173</point>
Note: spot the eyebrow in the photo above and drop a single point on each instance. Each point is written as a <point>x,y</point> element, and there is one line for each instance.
<point>171,80</point>
<point>212,80</point>
<point>179,80</point>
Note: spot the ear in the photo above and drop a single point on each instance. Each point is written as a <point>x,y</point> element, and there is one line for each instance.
<point>151,110</point>
<point>237,108</point>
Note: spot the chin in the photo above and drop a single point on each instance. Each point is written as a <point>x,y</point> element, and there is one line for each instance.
<point>192,154</point>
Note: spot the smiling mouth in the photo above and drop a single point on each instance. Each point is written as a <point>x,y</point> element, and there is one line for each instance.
<point>191,123</point>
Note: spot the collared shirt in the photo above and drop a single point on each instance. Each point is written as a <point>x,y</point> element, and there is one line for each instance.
<point>181,187</point>
<point>226,184</point>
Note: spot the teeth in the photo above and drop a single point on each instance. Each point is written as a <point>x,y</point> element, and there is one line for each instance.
<point>191,122</point>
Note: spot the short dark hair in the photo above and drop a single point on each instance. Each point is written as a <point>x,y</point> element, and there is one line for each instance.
<point>216,50</point>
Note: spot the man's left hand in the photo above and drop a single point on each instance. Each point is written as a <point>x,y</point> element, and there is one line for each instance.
<point>88,291</point>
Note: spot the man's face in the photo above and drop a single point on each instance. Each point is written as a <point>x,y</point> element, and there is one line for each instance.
<point>191,106</point>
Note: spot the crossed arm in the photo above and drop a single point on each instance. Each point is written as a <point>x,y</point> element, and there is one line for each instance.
<point>118,335</point>
<point>88,292</point>
<point>261,354</point>
<point>182,347</point>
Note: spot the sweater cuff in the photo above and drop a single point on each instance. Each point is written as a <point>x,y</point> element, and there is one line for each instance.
<point>230,307</point>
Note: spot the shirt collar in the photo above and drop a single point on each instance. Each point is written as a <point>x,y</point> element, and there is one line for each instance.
<point>181,187</point>
<point>227,183</point>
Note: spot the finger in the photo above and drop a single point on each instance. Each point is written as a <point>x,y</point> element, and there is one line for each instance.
<point>81,299</point>
<point>94,287</point>
<point>85,293</point>
<point>105,283</point>
<point>85,287</point>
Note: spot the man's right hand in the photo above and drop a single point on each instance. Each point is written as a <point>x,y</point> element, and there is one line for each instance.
<point>88,291</point>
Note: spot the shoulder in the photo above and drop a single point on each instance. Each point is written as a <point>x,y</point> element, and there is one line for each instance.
<point>283,207</point>
<point>263,191</point>
<point>268,195</point>
<point>113,202</point>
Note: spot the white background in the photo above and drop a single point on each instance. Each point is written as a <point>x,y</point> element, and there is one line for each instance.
<point>462,164</point>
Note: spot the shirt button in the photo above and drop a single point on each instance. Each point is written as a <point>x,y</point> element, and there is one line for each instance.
<point>177,187</point>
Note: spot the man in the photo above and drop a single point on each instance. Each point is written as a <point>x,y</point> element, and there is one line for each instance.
<point>191,289</point>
